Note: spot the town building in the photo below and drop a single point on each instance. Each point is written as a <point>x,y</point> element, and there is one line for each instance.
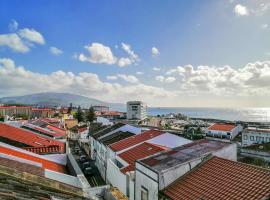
<point>101,108</point>
<point>224,131</point>
<point>97,140</point>
<point>29,140</point>
<point>112,115</point>
<point>16,111</point>
<point>218,178</point>
<point>136,110</point>
<point>155,173</point>
<point>123,154</point>
<point>42,112</point>
<point>254,135</point>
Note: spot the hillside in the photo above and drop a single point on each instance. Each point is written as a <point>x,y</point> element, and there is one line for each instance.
<point>60,99</point>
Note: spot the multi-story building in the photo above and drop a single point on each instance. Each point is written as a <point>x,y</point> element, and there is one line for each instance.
<point>101,108</point>
<point>17,111</point>
<point>136,110</point>
<point>42,112</point>
<point>253,135</point>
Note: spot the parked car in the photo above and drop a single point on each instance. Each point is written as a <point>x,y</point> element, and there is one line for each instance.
<point>83,159</point>
<point>77,149</point>
<point>86,164</point>
<point>88,171</point>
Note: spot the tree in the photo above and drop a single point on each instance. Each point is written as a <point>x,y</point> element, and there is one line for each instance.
<point>79,114</point>
<point>69,108</point>
<point>91,115</point>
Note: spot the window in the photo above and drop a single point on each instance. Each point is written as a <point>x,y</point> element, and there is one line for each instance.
<point>245,137</point>
<point>144,193</point>
<point>251,138</point>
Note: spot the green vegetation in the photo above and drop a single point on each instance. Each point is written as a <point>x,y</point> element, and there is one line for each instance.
<point>79,115</point>
<point>193,133</point>
<point>69,108</point>
<point>255,161</point>
<point>2,118</point>
<point>90,115</point>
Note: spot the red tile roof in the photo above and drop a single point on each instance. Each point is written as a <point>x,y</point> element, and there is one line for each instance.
<point>57,129</point>
<point>141,151</point>
<point>222,127</point>
<point>44,150</point>
<point>134,140</point>
<point>27,137</point>
<point>219,178</point>
<point>46,164</point>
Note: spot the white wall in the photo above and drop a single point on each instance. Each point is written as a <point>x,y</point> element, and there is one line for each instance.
<point>148,179</point>
<point>229,152</point>
<point>254,137</point>
<point>116,177</point>
<point>64,178</point>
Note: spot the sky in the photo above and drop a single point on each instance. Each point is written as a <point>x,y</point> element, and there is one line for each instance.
<point>212,53</point>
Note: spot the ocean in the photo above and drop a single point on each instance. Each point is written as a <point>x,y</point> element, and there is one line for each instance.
<point>232,114</point>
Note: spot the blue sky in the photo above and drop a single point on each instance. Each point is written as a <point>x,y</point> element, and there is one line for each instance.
<point>185,35</point>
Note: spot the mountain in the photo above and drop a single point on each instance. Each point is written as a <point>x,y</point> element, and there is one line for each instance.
<point>60,99</point>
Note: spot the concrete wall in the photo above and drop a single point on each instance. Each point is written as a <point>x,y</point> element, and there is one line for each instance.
<point>116,177</point>
<point>64,178</point>
<point>229,152</point>
<point>170,175</point>
<point>224,134</point>
<point>148,179</point>
<point>256,154</point>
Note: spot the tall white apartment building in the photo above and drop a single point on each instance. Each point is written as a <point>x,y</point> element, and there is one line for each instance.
<point>136,110</point>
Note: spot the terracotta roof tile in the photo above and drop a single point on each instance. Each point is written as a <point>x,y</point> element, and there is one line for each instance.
<point>219,178</point>
<point>141,151</point>
<point>27,137</point>
<point>222,127</point>
<point>46,164</point>
<point>134,140</point>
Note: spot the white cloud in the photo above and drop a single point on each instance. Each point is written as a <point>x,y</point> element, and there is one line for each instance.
<point>99,53</point>
<point>112,78</point>
<point>13,25</point>
<point>22,40</point>
<point>55,51</point>
<point>156,68</point>
<point>155,51</point>
<point>102,54</point>
<point>16,80</point>
<point>139,73</point>
<point>31,35</point>
<point>14,42</point>
<point>128,78</point>
<point>241,10</point>
<point>264,26</point>
<point>169,79</point>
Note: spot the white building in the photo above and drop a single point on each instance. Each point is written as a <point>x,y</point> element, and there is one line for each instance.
<point>155,173</point>
<point>225,131</point>
<point>136,110</point>
<point>253,135</point>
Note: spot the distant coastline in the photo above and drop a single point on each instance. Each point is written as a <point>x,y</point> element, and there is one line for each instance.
<point>261,115</point>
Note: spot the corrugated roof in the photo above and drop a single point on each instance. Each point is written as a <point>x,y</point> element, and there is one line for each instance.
<point>134,140</point>
<point>222,127</point>
<point>43,131</point>
<point>183,154</point>
<point>115,137</point>
<point>107,130</point>
<point>219,178</point>
<point>27,137</point>
<point>141,151</point>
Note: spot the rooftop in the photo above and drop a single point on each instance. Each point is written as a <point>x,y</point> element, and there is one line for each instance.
<point>219,178</point>
<point>115,137</point>
<point>107,130</point>
<point>42,131</point>
<point>255,129</point>
<point>27,138</point>
<point>183,154</point>
<point>134,140</point>
<point>29,157</point>
<point>141,151</point>
<point>222,127</point>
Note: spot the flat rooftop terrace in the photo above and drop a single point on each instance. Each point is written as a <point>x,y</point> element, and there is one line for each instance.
<point>182,154</point>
